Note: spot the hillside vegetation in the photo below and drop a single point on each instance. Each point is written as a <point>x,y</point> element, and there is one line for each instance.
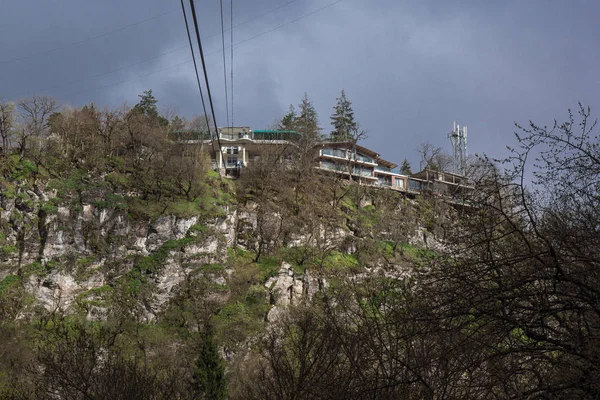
<point>129,269</point>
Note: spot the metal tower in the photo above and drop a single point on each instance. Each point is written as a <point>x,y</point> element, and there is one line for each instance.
<point>458,138</point>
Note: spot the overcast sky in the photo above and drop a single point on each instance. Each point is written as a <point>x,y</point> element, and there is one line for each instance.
<point>410,67</point>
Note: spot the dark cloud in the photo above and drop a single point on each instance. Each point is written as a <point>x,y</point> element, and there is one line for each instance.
<point>410,67</point>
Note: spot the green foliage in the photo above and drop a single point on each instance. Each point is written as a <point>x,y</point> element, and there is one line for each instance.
<point>268,267</point>
<point>112,201</point>
<point>9,190</point>
<point>205,206</point>
<point>307,121</point>
<point>348,204</point>
<point>20,168</point>
<point>288,120</point>
<point>8,250</point>
<point>8,282</point>
<point>209,373</point>
<point>240,319</point>
<point>152,263</point>
<point>386,247</point>
<point>83,268</point>
<point>35,269</point>
<point>342,120</point>
<point>212,268</point>
<point>405,167</point>
<point>96,297</point>
<point>12,300</point>
<point>50,206</point>
<point>417,253</point>
<point>337,261</point>
<point>76,182</point>
<point>147,104</point>
<point>119,180</point>
<point>199,229</point>
<point>256,295</point>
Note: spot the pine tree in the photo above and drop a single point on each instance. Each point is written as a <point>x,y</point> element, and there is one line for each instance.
<point>307,121</point>
<point>147,104</point>
<point>209,372</point>
<point>177,123</point>
<point>405,167</point>
<point>288,122</point>
<point>343,119</point>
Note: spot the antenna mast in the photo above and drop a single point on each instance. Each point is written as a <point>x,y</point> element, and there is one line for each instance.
<point>458,139</point>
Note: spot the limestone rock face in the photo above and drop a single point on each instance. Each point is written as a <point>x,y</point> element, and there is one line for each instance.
<point>65,251</point>
<point>291,288</point>
<point>59,290</point>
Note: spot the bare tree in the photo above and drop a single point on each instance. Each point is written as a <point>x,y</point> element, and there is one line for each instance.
<point>433,157</point>
<point>109,127</point>
<point>524,265</point>
<point>7,122</point>
<point>35,113</point>
<point>198,123</point>
<point>356,134</point>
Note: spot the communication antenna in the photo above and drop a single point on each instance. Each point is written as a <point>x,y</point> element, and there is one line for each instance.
<point>458,139</point>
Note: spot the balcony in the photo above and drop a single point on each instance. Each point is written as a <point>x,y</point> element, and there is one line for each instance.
<point>363,172</point>
<point>334,153</point>
<point>346,155</point>
<point>381,168</point>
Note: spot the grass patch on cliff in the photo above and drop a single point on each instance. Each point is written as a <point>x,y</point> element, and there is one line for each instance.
<point>17,168</point>
<point>95,297</point>
<point>181,208</point>
<point>8,282</point>
<point>212,268</point>
<point>338,261</point>
<point>34,269</point>
<point>239,320</point>
<point>8,250</point>
<point>416,253</point>
<point>152,264</point>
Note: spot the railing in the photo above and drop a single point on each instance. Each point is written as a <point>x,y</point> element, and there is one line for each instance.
<point>381,168</point>
<point>346,155</point>
<point>365,159</point>
<point>228,136</point>
<point>334,153</point>
<point>184,135</point>
<point>362,172</point>
<point>275,135</point>
<point>340,168</point>
<point>399,183</point>
<point>415,185</point>
<point>331,166</point>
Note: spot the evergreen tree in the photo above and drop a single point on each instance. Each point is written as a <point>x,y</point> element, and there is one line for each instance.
<point>209,372</point>
<point>405,167</point>
<point>288,121</point>
<point>307,121</point>
<point>147,104</point>
<point>343,119</point>
<point>177,123</point>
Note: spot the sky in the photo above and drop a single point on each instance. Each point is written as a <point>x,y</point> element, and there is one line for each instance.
<point>410,67</point>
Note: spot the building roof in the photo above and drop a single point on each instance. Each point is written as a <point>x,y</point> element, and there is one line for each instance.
<point>274,131</point>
